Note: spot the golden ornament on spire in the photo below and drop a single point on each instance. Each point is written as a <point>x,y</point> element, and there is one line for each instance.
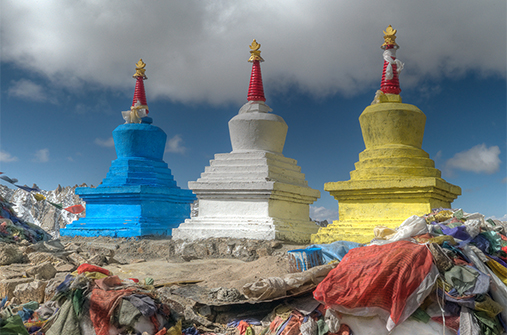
<point>140,69</point>
<point>390,36</point>
<point>255,52</point>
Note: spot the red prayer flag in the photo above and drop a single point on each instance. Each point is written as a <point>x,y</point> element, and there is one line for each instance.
<point>76,209</point>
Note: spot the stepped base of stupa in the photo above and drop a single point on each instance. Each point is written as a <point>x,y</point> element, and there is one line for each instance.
<point>366,204</point>
<point>255,195</point>
<point>131,211</point>
<point>139,195</point>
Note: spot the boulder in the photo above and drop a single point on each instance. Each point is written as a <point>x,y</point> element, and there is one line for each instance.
<point>39,257</point>
<point>12,271</point>
<point>99,260</point>
<point>8,286</point>
<point>42,271</point>
<point>9,253</point>
<point>32,291</point>
<point>52,284</point>
<point>106,249</point>
<point>76,259</point>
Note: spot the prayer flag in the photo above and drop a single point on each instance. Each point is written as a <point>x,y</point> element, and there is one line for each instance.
<point>9,180</point>
<point>76,209</point>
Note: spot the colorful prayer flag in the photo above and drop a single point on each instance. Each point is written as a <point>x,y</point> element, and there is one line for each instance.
<point>76,209</point>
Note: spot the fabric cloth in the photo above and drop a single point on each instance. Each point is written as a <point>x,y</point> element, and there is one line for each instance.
<point>12,325</point>
<point>76,209</point>
<point>322,327</point>
<point>309,327</point>
<point>242,327</point>
<point>293,324</point>
<point>468,325</point>
<point>85,267</point>
<point>390,280</point>
<point>462,278</point>
<point>108,283</point>
<point>499,270</point>
<point>143,303</point>
<point>344,330</point>
<point>489,306</point>
<point>102,306</point>
<point>336,250</point>
<point>66,321</point>
<point>128,314</point>
<point>451,321</point>
<point>413,226</point>
<point>488,325</point>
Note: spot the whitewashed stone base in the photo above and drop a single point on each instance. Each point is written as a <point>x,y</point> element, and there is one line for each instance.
<point>257,195</point>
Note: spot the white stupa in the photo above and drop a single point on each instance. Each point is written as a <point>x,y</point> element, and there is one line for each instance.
<point>254,191</point>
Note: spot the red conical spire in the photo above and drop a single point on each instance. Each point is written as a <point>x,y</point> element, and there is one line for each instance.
<point>390,83</point>
<point>139,93</point>
<point>255,89</point>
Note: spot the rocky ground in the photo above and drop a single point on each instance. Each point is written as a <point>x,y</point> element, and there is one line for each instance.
<point>219,268</point>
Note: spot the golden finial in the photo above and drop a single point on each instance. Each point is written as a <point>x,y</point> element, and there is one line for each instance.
<point>140,69</point>
<point>255,52</point>
<point>390,37</point>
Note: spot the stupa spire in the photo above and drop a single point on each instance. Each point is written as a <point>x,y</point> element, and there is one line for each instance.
<point>139,93</point>
<point>392,66</point>
<point>138,112</point>
<point>255,89</point>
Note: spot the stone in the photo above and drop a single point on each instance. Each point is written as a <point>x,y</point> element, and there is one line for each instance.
<point>12,271</point>
<point>107,250</point>
<point>52,284</point>
<point>74,247</point>
<point>99,260</point>
<point>36,247</point>
<point>8,286</point>
<point>206,312</point>
<point>244,253</point>
<point>77,259</point>
<point>263,252</point>
<point>41,257</point>
<point>31,291</point>
<point>112,260</point>
<point>65,267</point>
<point>9,253</point>
<point>42,271</point>
<point>194,318</point>
<point>54,245</point>
<point>224,248</point>
<point>225,294</point>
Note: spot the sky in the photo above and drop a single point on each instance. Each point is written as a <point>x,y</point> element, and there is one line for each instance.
<point>66,75</point>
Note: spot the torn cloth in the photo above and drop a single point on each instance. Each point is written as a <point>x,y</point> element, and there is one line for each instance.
<point>102,306</point>
<point>389,280</point>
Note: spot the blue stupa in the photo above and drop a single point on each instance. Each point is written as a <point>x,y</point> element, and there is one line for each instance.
<point>139,195</point>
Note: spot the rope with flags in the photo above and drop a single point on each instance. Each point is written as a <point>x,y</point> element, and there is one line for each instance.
<point>74,209</point>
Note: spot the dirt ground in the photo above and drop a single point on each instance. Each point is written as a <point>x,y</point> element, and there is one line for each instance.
<point>212,273</point>
<point>158,259</point>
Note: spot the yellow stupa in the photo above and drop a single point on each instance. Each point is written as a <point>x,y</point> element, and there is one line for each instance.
<point>394,178</point>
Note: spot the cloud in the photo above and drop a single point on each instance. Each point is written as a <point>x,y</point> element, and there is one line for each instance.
<point>6,157</point>
<point>26,89</point>
<point>504,180</point>
<point>322,213</point>
<point>42,156</point>
<point>174,145</point>
<point>104,143</point>
<point>503,218</point>
<point>479,159</point>
<point>196,51</point>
